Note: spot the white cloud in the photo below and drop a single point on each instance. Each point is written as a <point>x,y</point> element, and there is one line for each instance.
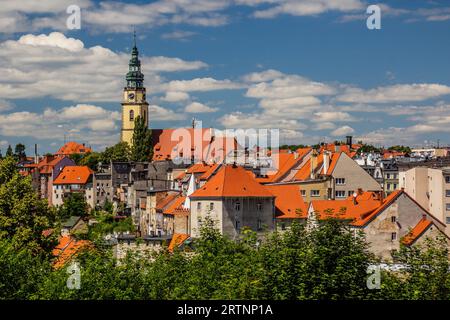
<point>263,76</point>
<point>342,131</point>
<point>54,39</point>
<point>89,123</point>
<point>62,68</point>
<point>158,113</point>
<point>197,107</point>
<point>332,116</point>
<point>5,105</point>
<point>200,84</point>
<point>395,93</point>
<point>175,96</point>
<point>305,7</point>
<point>324,126</point>
<point>178,35</point>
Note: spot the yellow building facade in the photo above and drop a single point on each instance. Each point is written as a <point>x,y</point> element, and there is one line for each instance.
<point>134,98</point>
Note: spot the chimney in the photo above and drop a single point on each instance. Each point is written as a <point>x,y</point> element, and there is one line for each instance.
<point>326,162</point>
<point>354,198</point>
<point>349,140</point>
<point>313,160</point>
<point>36,159</point>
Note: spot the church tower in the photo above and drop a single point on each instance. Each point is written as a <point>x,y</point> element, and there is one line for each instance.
<point>134,100</point>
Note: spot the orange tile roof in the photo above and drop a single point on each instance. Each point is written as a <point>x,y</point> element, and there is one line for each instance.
<point>417,231</point>
<point>172,195</point>
<point>166,141</point>
<point>367,206</point>
<point>66,249</point>
<point>288,201</point>
<point>176,205</point>
<point>231,181</point>
<point>74,175</point>
<point>304,173</point>
<point>177,240</point>
<point>72,147</point>
<point>206,169</point>
<point>365,219</point>
<point>286,162</point>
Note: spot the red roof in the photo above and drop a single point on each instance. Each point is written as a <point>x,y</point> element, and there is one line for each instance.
<point>288,201</point>
<point>74,175</point>
<point>417,231</point>
<point>304,173</point>
<point>66,249</point>
<point>177,240</point>
<point>181,142</point>
<point>176,206</point>
<point>347,209</point>
<point>206,169</point>
<point>286,162</point>
<point>231,181</point>
<point>72,147</point>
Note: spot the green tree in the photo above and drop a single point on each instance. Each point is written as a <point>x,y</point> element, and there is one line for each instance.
<point>402,148</point>
<point>74,205</point>
<point>326,262</point>
<point>19,151</point>
<point>141,149</point>
<point>21,272</point>
<point>9,152</point>
<point>118,152</point>
<point>23,215</point>
<point>425,275</point>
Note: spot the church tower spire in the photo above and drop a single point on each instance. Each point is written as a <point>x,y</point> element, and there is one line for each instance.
<point>134,99</point>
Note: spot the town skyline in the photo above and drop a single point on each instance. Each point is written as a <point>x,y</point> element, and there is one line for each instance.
<point>316,75</point>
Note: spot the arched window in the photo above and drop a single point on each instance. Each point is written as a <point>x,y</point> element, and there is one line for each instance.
<point>131,115</point>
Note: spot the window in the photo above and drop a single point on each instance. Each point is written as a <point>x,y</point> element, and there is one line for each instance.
<point>388,175</point>
<point>393,219</point>
<point>350,193</point>
<point>340,181</point>
<point>237,206</point>
<point>447,193</point>
<point>447,220</point>
<point>394,236</point>
<point>211,206</point>
<point>303,193</point>
<point>447,179</point>
<point>395,186</point>
<point>315,193</point>
<point>340,194</point>
<point>131,115</point>
<point>283,226</point>
<point>388,186</point>
<point>447,206</point>
<point>259,224</point>
<point>238,225</point>
<point>199,205</point>
<point>259,206</point>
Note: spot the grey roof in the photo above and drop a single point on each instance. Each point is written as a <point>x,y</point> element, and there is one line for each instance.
<point>71,222</point>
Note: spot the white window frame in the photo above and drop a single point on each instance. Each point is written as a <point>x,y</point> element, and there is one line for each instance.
<point>341,194</point>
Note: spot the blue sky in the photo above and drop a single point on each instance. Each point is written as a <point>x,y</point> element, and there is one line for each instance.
<point>310,68</point>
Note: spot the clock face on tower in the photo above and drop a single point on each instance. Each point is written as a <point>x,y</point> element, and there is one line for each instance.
<point>131,96</point>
